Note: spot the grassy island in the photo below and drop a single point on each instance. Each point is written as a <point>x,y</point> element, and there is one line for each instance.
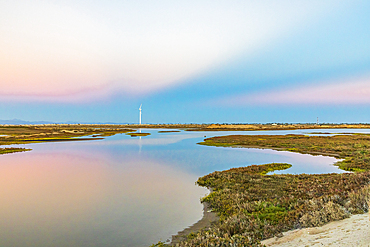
<point>253,206</point>
<point>13,150</point>
<point>23,134</point>
<point>137,134</point>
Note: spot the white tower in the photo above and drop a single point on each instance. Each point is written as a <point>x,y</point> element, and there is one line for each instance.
<point>140,114</point>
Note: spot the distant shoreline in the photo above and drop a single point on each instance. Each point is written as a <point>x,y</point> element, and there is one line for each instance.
<point>201,127</point>
<point>248,127</point>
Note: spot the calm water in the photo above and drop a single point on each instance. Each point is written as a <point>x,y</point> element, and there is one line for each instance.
<point>120,191</point>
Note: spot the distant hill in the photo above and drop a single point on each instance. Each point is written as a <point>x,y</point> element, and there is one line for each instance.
<point>20,122</point>
<point>23,122</point>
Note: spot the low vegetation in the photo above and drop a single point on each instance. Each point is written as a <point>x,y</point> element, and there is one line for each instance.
<point>13,150</point>
<point>23,134</point>
<point>246,127</point>
<point>354,149</point>
<point>168,131</point>
<point>253,206</point>
<point>137,134</point>
<point>275,126</point>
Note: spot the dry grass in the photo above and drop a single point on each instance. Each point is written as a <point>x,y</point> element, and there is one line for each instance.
<point>137,134</point>
<point>41,133</point>
<point>49,133</point>
<point>13,150</point>
<point>320,212</point>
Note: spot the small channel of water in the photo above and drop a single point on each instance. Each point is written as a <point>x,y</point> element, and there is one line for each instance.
<point>121,191</point>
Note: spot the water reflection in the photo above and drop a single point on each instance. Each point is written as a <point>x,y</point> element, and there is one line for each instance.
<point>59,199</point>
<point>103,193</point>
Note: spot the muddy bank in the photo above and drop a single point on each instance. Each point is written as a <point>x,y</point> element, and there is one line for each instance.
<point>209,217</point>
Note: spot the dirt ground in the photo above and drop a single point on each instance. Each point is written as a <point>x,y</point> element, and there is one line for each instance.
<point>353,231</point>
<point>206,221</point>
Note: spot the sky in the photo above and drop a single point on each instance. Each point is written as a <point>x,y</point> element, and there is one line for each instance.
<point>194,61</point>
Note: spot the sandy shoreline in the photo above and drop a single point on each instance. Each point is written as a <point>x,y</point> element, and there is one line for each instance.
<point>353,231</point>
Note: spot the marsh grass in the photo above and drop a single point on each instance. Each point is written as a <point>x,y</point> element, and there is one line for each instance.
<point>168,131</point>
<point>25,134</point>
<point>137,134</point>
<point>13,150</point>
<point>253,206</point>
<point>46,133</point>
<point>353,149</point>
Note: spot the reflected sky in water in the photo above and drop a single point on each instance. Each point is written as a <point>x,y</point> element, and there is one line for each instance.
<point>121,191</point>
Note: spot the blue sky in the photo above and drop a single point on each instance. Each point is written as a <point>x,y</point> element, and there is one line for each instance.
<point>185,61</point>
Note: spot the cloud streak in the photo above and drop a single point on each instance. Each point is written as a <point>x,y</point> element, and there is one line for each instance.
<point>62,50</point>
<point>353,91</point>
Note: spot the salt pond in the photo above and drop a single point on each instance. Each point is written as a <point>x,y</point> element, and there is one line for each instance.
<point>121,191</point>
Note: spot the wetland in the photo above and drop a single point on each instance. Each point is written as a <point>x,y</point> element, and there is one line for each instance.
<point>94,185</point>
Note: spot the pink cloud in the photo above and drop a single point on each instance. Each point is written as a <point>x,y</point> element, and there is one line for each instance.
<point>349,91</point>
<point>69,51</point>
<point>78,95</point>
